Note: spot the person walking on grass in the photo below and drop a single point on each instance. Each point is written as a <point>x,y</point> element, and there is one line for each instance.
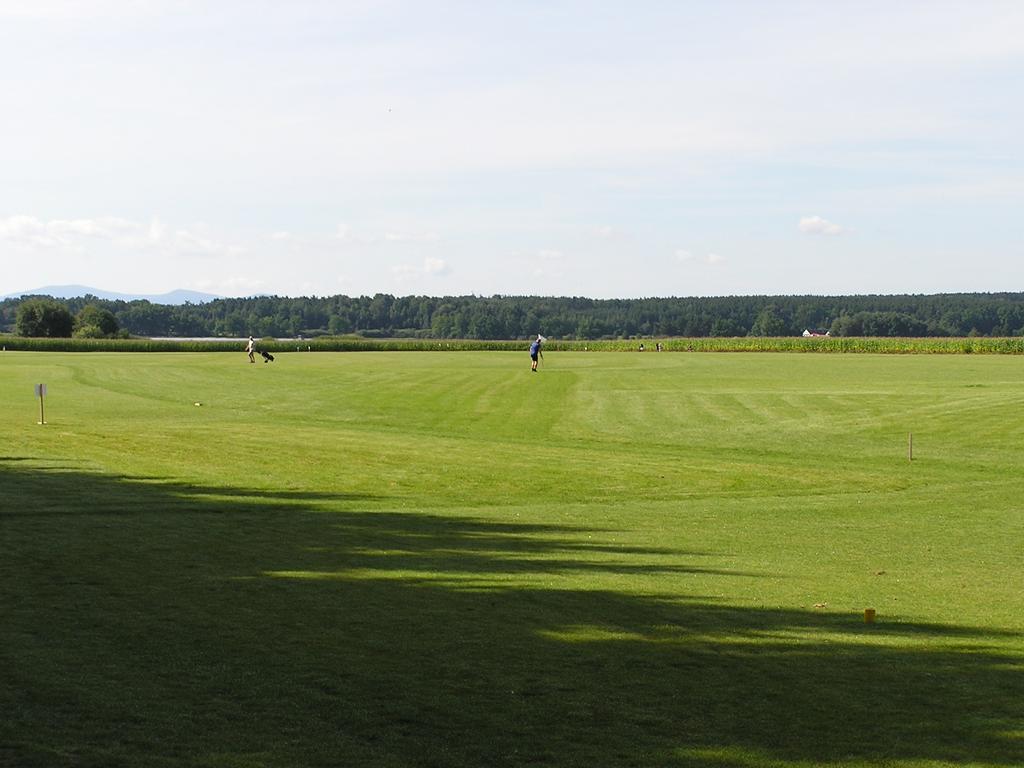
<point>250,349</point>
<point>535,351</point>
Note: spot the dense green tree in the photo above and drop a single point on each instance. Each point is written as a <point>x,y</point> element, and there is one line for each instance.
<point>556,317</point>
<point>145,319</point>
<point>44,317</point>
<point>95,322</point>
<point>879,324</point>
<point>338,325</point>
<point>769,322</point>
<point>726,326</point>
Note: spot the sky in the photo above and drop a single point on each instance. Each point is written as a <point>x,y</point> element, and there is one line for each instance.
<point>601,149</point>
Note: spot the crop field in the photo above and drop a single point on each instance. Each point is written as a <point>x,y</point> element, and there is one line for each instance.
<point>440,559</point>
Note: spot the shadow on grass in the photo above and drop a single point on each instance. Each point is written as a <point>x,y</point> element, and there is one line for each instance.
<point>151,623</point>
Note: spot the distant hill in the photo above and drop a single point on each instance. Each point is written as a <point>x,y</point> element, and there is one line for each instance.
<point>75,291</point>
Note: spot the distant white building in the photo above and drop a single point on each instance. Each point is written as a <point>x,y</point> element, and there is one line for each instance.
<point>815,332</point>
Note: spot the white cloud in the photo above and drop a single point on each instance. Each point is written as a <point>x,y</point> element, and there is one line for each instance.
<point>815,225</point>
<point>156,230</point>
<point>405,272</point>
<point>688,257</point>
<point>411,237</point>
<point>187,242</point>
<point>432,267</point>
<point>545,273</point>
<point>610,233</point>
<point>345,233</point>
<point>29,233</point>
<point>56,10</point>
<point>550,254</point>
<point>232,286</point>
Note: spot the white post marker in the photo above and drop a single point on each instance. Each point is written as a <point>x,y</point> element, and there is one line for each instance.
<point>41,393</point>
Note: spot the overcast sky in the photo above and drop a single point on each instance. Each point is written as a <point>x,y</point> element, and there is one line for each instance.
<point>604,149</point>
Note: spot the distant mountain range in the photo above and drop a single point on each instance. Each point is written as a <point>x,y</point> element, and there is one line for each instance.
<point>74,291</point>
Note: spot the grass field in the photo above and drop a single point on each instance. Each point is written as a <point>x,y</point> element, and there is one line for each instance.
<point>441,559</point>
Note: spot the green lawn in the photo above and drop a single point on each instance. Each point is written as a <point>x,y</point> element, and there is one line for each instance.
<point>441,559</point>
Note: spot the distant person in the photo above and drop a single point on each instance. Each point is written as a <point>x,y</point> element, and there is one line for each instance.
<point>535,352</point>
<point>250,349</point>
<point>641,347</point>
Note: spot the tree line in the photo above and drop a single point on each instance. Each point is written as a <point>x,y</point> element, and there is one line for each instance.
<point>519,317</point>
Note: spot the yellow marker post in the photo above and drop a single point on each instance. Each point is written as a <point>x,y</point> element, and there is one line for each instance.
<point>41,393</point>
<point>869,615</point>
